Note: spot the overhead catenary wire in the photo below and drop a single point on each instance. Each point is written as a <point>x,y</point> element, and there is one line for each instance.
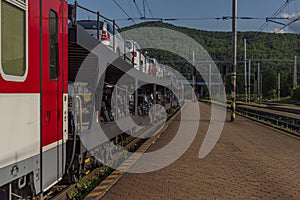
<point>216,18</point>
<point>138,9</point>
<point>130,8</point>
<point>295,6</point>
<point>277,12</point>
<point>293,21</point>
<point>190,19</point>
<point>150,11</point>
<point>129,18</point>
<point>94,12</point>
<point>144,8</point>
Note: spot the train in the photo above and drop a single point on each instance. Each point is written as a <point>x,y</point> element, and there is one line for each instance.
<point>44,109</point>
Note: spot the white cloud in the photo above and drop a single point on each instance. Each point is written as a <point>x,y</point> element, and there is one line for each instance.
<point>277,30</point>
<point>295,26</point>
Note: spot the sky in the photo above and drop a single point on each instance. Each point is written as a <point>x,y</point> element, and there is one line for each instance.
<point>200,9</point>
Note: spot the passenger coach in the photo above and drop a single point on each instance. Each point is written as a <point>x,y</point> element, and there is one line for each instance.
<point>33,94</point>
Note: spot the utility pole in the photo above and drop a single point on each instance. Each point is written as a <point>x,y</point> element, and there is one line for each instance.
<point>245,69</point>
<point>209,79</point>
<point>258,82</point>
<point>295,74</point>
<point>261,87</point>
<point>234,61</point>
<point>224,77</point>
<point>254,82</point>
<point>249,82</point>
<point>220,83</point>
<point>194,78</point>
<point>278,86</point>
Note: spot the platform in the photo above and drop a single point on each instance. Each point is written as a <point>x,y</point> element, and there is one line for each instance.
<point>250,161</point>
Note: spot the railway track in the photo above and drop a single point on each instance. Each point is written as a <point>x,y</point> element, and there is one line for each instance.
<point>289,110</point>
<point>287,119</point>
<point>88,182</point>
<point>278,120</point>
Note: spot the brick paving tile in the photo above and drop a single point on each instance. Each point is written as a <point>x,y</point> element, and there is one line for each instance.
<point>250,161</point>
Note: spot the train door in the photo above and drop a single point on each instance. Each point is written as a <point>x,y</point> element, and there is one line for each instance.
<point>52,91</point>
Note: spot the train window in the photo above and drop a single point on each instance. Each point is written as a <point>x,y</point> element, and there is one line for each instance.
<point>13,40</point>
<point>53,45</point>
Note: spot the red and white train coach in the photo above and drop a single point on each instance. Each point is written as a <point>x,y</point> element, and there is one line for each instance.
<point>33,94</point>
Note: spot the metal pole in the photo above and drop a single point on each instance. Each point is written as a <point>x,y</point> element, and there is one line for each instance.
<point>245,70</point>
<point>154,103</point>
<point>10,191</point>
<point>220,84</point>
<point>295,73</point>
<point>210,78</point>
<point>171,96</point>
<point>117,115</point>
<point>126,102</point>
<point>136,98</point>
<point>194,78</point>
<point>114,36</point>
<point>258,82</point>
<point>98,25</point>
<point>261,87</point>
<point>74,13</point>
<point>278,86</point>
<point>224,77</point>
<point>249,82</point>
<point>234,61</point>
<point>124,36</point>
<point>182,91</point>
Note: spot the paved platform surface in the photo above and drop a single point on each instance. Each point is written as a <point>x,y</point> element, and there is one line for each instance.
<point>250,161</point>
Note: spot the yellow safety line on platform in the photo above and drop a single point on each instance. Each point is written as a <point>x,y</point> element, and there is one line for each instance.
<point>101,187</point>
<point>112,179</point>
<point>94,194</point>
<point>116,172</point>
<point>112,176</point>
<point>107,181</point>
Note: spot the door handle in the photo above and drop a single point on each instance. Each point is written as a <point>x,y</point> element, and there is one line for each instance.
<point>48,115</point>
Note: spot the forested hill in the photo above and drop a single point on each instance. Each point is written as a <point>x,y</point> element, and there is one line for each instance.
<point>273,49</point>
